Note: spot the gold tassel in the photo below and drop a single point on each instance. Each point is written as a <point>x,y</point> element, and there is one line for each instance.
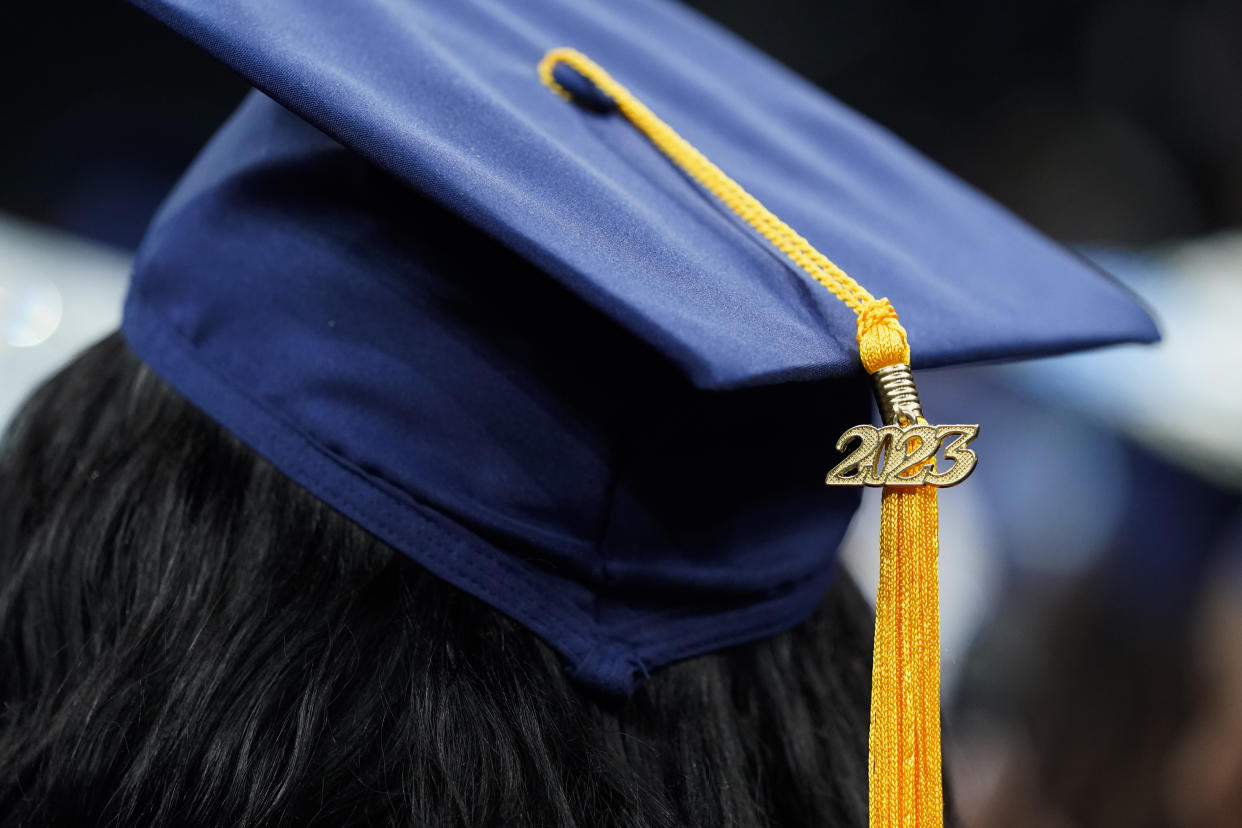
<point>904,758</point>
<point>904,747</point>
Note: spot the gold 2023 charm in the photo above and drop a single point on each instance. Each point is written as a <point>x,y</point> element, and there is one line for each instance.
<point>894,456</point>
<point>901,453</point>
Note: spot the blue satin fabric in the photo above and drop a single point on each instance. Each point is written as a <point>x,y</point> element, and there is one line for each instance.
<point>500,332</point>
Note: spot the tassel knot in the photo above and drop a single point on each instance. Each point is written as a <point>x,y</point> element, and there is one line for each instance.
<point>881,338</point>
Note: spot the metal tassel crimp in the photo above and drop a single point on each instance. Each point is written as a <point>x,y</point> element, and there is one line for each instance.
<point>897,396</point>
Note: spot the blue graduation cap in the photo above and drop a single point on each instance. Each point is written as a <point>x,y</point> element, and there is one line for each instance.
<point>503,333</point>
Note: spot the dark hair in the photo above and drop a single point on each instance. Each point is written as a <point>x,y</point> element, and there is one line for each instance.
<point>188,638</point>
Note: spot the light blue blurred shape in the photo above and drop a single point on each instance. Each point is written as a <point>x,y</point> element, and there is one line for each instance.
<point>30,310</point>
<point>1182,398</point>
<point>58,294</point>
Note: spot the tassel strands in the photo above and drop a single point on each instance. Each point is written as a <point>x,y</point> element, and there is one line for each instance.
<point>904,750</point>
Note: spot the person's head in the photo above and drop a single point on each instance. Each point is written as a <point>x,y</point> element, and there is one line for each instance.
<point>190,638</point>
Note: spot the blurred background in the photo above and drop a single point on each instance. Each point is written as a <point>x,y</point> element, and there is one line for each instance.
<point>1093,603</point>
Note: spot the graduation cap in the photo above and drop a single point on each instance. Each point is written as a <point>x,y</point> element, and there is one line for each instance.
<point>554,358</point>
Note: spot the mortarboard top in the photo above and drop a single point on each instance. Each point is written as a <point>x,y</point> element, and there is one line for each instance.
<point>502,333</point>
